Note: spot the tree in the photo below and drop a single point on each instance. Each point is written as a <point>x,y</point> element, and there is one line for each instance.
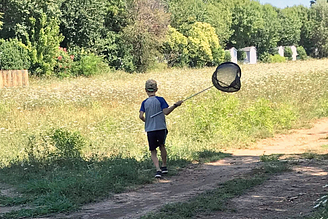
<point>184,13</point>
<point>43,39</point>
<point>203,46</point>
<point>146,33</point>
<point>16,14</point>
<point>82,22</point>
<point>246,21</point>
<point>291,24</point>
<point>319,36</point>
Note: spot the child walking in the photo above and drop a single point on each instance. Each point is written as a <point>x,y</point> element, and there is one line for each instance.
<point>156,126</point>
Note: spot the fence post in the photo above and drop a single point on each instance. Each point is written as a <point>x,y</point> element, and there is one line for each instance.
<point>25,78</point>
<point>19,78</point>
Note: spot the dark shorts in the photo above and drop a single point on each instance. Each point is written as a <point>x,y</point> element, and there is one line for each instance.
<point>156,138</point>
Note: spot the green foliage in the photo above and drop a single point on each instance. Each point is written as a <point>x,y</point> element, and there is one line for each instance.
<point>175,48</point>
<point>42,38</point>
<point>144,36</point>
<point>290,32</point>
<point>14,55</point>
<point>301,53</point>
<point>241,55</point>
<point>203,46</point>
<point>227,56</point>
<point>82,22</point>
<point>265,57</point>
<point>288,53</point>
<point>277,59</point>
<point>68,144</point>
<point>88,65</point>
<point>187,12</point>
<point>320,28</point>
<point>64,63</point>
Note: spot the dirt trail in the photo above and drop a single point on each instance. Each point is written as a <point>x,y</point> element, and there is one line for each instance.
<point>289,195</point>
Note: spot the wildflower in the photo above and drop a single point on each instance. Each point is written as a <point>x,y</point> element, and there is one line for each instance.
<point>60,58</point>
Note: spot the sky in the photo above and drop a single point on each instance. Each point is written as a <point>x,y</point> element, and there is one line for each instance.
<point>285,3</point>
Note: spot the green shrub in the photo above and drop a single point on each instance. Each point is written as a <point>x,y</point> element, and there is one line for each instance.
<point>14,55</point>
<point>288,53</point>
<point>277,58</point>
<point>265,57</point>
<point>301,53</point>
<point>68,144</point>
<point>88,65</point>
<point>64,63</point>
<point>227,56</point>
<point>241,55</point>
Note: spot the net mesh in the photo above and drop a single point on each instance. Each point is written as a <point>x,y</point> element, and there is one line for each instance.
<point>227,77</point>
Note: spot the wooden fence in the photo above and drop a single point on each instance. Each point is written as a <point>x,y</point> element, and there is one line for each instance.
<point>13,78</point>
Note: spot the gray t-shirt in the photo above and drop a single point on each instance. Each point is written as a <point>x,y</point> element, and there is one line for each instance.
<point>151,106</point>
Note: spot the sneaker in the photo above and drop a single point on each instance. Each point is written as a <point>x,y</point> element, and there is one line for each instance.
<point>164,170</point>
<point>158,174</point>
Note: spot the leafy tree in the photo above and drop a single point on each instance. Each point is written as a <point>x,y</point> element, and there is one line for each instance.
<point>203,46</point>
<point>16,14</point>
<point>291,24</point>
<point>319,36</point>
<point>43,39</point>
<point>267,35</point>
<point>184,13</point>
<point>175,48</point>
<point>255,25</point>
<point>144,36</point>
<point>14,55</point>
<point>306,16</point>
<point>246,21</point>
<point>82,22</point>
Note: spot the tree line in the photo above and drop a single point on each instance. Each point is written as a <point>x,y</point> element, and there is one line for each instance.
<point>65,37</point>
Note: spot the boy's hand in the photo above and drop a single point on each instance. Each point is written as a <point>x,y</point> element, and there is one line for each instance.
<point>178,103</point>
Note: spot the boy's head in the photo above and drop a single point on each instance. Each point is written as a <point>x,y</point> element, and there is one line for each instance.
<point>151,86</point>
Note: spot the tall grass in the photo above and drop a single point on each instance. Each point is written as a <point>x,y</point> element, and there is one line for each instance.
<point>104,109</point>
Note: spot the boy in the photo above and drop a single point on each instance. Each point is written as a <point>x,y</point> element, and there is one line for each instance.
<point>156,126</point>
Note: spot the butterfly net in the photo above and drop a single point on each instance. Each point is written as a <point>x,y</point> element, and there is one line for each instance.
<point>227,77</point>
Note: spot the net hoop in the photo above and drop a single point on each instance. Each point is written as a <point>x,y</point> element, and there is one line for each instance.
<point>234,83</point>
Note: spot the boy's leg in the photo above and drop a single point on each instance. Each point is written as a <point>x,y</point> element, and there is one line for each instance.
<point>155,159</point>
<point>163,155</point>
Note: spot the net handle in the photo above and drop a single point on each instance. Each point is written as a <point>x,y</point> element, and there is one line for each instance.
<point>156,114</point>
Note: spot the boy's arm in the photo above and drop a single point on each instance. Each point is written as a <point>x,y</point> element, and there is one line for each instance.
<point>141,116</point>
<point>168,110</point>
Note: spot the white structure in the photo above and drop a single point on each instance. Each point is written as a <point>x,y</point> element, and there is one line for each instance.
<point>251,57</point>
<point>233,53</point>
<point>294,52</point>
<point>281,51</point>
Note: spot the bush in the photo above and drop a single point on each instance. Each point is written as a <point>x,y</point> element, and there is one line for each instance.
<point>277,58</point>
<point>288,53</point>
<point>14,55</point>
<point>227,56</point>
<point>88,65</point>
<point>301,53</point>
<point>265,57</point>
<point>68,144</point>
<point>64,63</point>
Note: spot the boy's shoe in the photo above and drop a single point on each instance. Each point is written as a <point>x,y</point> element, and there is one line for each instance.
<point>164,170</point>
<point>158,174</point>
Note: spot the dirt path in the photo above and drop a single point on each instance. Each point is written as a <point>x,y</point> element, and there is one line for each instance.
<point>290,195</point>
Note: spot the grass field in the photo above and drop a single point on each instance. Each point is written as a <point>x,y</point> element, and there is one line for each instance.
<point>93,122</point>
